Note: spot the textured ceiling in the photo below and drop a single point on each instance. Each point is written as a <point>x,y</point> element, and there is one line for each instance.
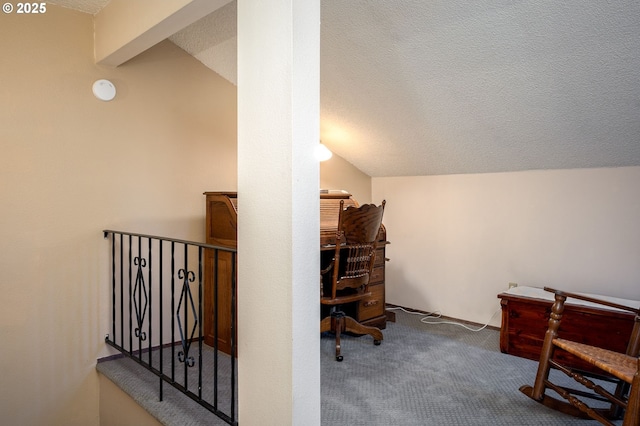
<point>420,88</point>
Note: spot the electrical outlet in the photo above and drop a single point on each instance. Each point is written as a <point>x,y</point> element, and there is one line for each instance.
<point>512,285</point>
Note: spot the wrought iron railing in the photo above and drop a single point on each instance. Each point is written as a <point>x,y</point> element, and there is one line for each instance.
<point>158,316</point>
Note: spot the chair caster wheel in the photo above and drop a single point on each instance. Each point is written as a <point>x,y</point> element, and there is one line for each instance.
<point>339,358</point>
<point>377,342</point>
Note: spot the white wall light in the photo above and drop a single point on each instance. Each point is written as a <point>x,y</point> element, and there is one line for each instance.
<point>104,90</point>
<point>322,153</point>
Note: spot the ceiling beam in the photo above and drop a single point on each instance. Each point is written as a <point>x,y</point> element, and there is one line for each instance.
<point>124,28</point>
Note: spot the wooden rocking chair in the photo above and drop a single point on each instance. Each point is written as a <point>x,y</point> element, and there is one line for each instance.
<point>623,403</point>
<point>346,279</point>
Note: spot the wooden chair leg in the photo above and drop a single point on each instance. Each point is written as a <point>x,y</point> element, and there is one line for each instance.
<point>632,414</point>
<point>537,392</point>
<point>547,347</point>
<point>337,324</point>
<point>615,411</point>
<point>354,326</point>
<point>325,324</point>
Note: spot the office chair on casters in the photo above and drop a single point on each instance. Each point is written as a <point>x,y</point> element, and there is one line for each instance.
<point>346,279</point>
<point>623,403</point>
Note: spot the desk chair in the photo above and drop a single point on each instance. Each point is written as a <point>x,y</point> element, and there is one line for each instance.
<point>346,279</point>
<point>622,369</point>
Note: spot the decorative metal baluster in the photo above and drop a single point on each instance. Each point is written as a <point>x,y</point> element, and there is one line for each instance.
<point>215,327</point>
<point>234,326</point>
<point>173,305</point>
<point>150,278</point>
<point>140,290</point>
<point>113,285</point>
<point>161,334</point>
<point>187,297</point>
<point>122,335</point>
<point>130,288</point>
<point>200,315</point>
<point>134,315</point>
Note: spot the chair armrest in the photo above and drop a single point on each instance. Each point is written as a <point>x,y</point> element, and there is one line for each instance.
<point>594,300</point>
<point>328,268</point>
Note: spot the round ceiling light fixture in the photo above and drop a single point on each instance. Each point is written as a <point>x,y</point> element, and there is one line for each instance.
<point>104,90</point>
<point>322,153</point>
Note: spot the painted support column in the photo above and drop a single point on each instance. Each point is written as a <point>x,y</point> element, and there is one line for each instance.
<point>278,218</point>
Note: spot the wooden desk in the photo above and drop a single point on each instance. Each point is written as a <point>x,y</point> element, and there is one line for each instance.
<point>221,230</point>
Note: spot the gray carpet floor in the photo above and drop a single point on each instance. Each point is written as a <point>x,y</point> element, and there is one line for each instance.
<point>425,374</point>
<point>421,374</point>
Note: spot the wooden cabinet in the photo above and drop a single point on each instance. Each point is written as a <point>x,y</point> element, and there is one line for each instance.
<point>372,311</point>
<point>221,230</point>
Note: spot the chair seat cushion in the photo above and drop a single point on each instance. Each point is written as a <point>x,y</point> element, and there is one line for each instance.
<point>622,366</point>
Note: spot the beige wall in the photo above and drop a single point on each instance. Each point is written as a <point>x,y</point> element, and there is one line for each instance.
<point>338,173</point>
<point>72,166</point>
<point>458,240</point>
<point>117,408</point>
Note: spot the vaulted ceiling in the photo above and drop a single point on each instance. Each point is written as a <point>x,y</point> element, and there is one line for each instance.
<point>417,87</point>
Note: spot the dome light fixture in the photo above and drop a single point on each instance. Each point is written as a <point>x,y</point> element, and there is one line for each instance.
<point>104,90</point>
<point>322,153</point>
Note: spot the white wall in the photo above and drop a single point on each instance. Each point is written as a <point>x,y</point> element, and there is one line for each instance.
<point>458,240</point>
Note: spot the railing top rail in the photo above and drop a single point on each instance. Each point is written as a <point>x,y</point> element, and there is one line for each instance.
<point>174,240</point>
